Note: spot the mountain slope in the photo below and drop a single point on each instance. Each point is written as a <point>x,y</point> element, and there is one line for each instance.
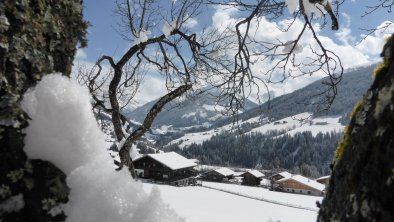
<point>199,110</point>
<point>350,90</point>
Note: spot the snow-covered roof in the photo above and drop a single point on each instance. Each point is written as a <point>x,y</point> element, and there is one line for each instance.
<point>238,173</point>
<point>194,160</point>
<point>256,173</point>
<point>323,178</point>
<point>172,160</point>
<point>284,174</point>
<point>225,171</point>
<point>306,181</point>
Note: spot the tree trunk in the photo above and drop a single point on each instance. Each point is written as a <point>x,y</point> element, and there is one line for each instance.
<point>37,37</point>
<point>361,187</point>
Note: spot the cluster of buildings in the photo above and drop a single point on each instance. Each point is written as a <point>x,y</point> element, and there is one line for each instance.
<point>174,169</point>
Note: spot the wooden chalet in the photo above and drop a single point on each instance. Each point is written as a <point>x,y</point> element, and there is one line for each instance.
<point>219,175</point>
<point>252,178</point>
<point>299,184</point>
<point>170,168</point>
<point>278,176</point>
<point>323,180</point>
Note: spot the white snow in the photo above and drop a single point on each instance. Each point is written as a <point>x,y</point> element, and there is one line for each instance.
<point>301,123</point>
<point>168,28</point>
<point>259,192</point>
<point>285,174</point>
<point>291,125</point>
<point>187,115</point>
<point>306,181</point>
<point>317,9</point>
<point>199,204</point>
<point>289,45</point>
<point>225,171</point>
<point>172,160</point>
<point>142,36</point>
<point>213,108</point>
<point>63,130</point>
<point>323,177</point>
<point>256,173</point>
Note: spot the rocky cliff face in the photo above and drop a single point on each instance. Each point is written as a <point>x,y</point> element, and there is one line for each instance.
<point>37,37</point>
<point>362,183</point>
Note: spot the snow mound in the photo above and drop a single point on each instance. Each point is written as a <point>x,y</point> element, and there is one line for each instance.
<point>63,130</point>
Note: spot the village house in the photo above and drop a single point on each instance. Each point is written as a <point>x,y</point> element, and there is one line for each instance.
<point>323,180</point>
<point>219,175</point>
<point>278,176</point>
<point>170,168</point>
<point>299,184</point>
<point>252,178</point>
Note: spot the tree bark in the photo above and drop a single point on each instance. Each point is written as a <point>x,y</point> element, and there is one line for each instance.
<point>361,187</point>
<point>37,37</point>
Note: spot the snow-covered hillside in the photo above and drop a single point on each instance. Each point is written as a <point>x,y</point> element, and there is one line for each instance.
<point>290,125</point>
<point>198,204</point>
<point>199,110</point>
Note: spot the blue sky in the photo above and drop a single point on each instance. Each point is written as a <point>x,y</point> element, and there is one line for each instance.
<point>103,38</point>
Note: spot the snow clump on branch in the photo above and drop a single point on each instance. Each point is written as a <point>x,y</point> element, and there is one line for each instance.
<point>289,45</point>
<point>310,8</point>
<point>169,27</point>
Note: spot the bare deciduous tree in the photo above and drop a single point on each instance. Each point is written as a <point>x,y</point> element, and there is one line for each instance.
<point>221,58</point>
<point>283,57</point>
<point>181,56</point>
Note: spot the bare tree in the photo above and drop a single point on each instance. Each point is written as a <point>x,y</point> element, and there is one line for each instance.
<point>222,58</point>
<point>182,57</point>
<point>371,9</point>
<point>283,57</point>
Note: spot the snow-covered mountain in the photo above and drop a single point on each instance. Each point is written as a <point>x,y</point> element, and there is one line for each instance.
<point>285,134</point>
<point>350,90</point>
<point>200,110</point>
<point>293,112</point>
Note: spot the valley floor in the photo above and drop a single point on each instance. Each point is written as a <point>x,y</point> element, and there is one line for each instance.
<point>201,204</point>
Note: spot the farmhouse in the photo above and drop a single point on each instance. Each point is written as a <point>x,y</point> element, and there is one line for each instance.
<point>252,178</point>
<point>170,168</point>
<point>299,184</point>
<point>219,175</point>
<point>323,180</point>
<point>278,176</point>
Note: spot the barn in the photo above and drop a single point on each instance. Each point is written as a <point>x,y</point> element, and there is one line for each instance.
<point>252,178</point>
<point>278,176</point>
<point>219,175</point>
<point>300,184</point>
<point>170,168</point>
<point>323,180</point>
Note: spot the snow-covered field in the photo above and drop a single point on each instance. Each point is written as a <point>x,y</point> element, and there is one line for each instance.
<point>258,192</point>
<point>302,123</point>
<point>291,125</point>
<point>197,204</point>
